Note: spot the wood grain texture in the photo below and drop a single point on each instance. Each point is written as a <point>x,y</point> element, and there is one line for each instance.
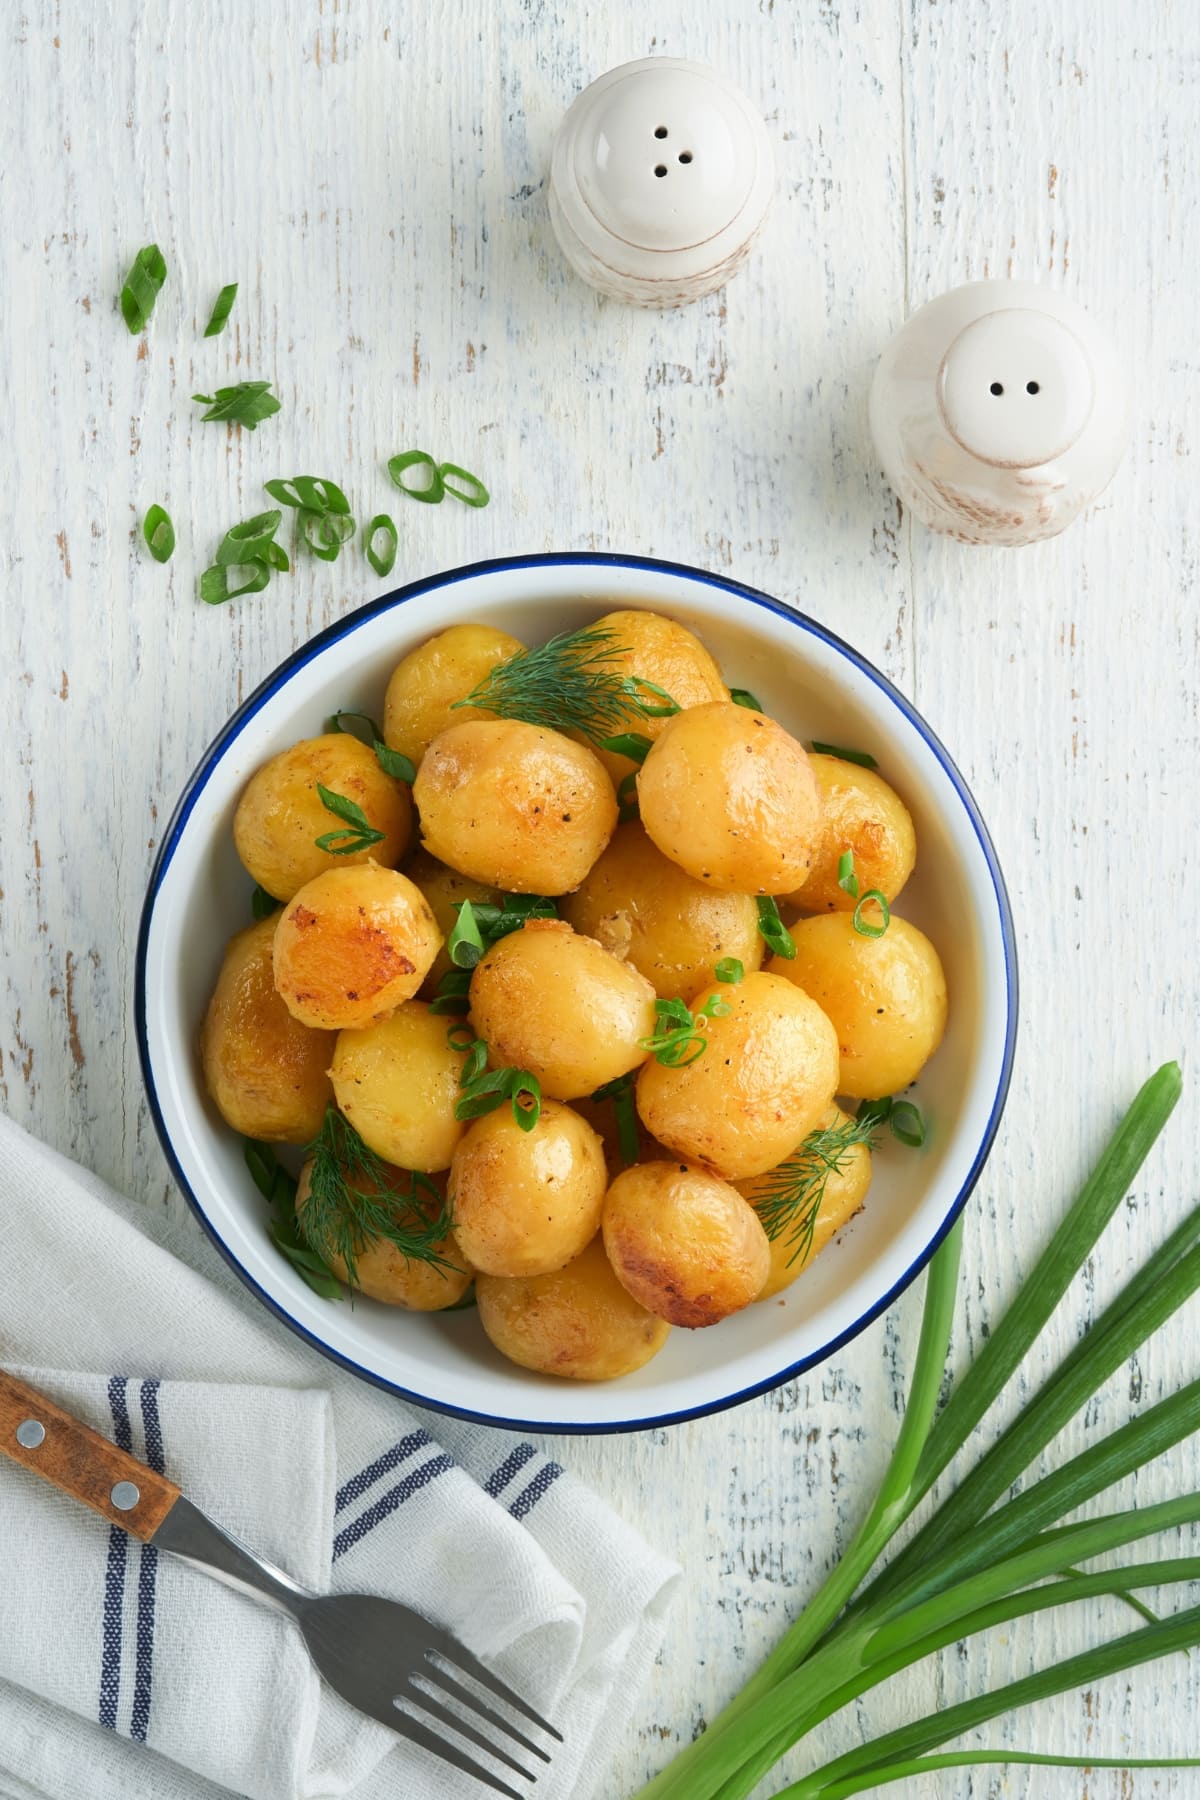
<point>374,178</point>
<point>78,1460</point>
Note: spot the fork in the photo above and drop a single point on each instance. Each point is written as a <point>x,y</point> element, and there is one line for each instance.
<point>381,1656</point>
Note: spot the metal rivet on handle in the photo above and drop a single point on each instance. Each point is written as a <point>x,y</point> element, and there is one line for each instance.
<point>125,1496</point>
<point>30,1433</point>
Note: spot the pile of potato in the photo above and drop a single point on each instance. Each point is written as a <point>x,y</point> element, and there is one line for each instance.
<point>581,1265</point>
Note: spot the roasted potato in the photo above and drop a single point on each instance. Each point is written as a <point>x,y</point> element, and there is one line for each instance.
<point>547,1000</point>
<point>444,889</point>
<point>578,1321</point>
<point>526,1202</point>
<point>671,927</point>
<point>731,798</point>
<point>768,1072</point>
<point>846,1184</point>
<point>514,805</point>
<point>658,650</point>
<point>866,817</point>
<point>280,815</point>
<point>397,1083</point>
<point>264,1070</point>
<point>426,683</point>
<point>352,945</point>
<point>383,1272</point>
<point>684,1243</point>
<point>885,995</point>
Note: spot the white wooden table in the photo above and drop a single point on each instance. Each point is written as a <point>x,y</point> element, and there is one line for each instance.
<point>374,177</point>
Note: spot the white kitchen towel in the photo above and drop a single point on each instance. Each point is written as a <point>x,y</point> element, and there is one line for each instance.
<point>128,1675</point>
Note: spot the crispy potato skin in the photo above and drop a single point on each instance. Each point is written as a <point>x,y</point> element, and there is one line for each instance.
<point>886,997</point>
<point>845,1191</point>
<point>514,805</point>
<point>671,927</point>
<point>659,650</point>
<point>768,1072</point>
<point>577,1322</point>
<point>352,946</point>
<point>264,1070</point>
<point>867,817</point>
<point>547,1000</point>
<point>386,1274</point>
<point>684,1243</point>
<point>444,889</point>
<point>526,1202</point>
<point>426,683</point>
<point>728,795</point>
<point>397,1083</point>
<point>280,815</point>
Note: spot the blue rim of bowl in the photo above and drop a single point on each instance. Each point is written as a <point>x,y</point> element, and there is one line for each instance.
<point>567,560</point>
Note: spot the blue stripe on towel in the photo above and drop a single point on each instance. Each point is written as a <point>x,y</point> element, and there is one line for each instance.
<point>114,1574</point>
<point>529,1497</point>
<point>499,1480</point>
<point>147,1576</point>
<point>386,1505</point>
<point>391,1459</point>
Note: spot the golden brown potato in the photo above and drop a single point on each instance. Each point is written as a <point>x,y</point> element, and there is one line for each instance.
<point>383,1272</point>
<point>352,945</point>
<point>731,798</point>
<point>444,889</point>
<point>547,1000</point>
<point>280,815</point>
<point>846,1185</point>
<point>514,805</point>
<point>264,1070</point>
<point>426,683</point>
<point>684,1243</point>
<point>526,1202</point>
<point>666,653</point>
<point>671,927</point>
<point>768,1072</point>
<point>867,817</point>
<point>397,1083</point>
<point>578,1321</point>
<point>886,997</point>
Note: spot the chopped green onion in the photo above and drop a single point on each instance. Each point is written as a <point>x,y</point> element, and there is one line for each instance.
<point>309,493</point>
<point>772,928</point>
<point>620,1092</point>
<point>465,944</point>
<point>382,561</point>
<point>907,1124</point>
<point>432,490</point>
<point>142,286</point>
<point>729,969</point>
<point>392,762</point>
<point>628,743</point>
<point>326,532</point>
<point>250,541</point>
<point>222,310</point>
<point>847,880</point>
<point>627,804</point>
<point>474,494</point>
<point>667,710</point>
<point>262,904</point>
<point>274,555</point>
<point>873,1112</point>
<point>214,583</point>
<point>743,697</point>
<point>861,757</point>
<point>248,403</point>
<point>461,1037</point>
<point>676,1042</point>
<point>453,993</point>
<point>484,1089</point>
<point>860,924</point>
<point>159,533</point>
<point>359,833</point>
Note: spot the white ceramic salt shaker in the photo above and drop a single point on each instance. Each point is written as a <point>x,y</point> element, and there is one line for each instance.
<point>999,411</point>
<point>660,179</point>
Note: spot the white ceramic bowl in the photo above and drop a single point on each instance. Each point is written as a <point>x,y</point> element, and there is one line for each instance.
<point>819,688</point>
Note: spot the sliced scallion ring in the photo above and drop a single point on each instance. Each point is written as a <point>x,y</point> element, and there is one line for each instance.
<point>433,489</point>
<point>308,493</point>
<point>249,541</point>
<point>324,533</point>
<point>214,583</point>
<point>159,533</point>
<point>861,925</point>
<point>473,493</point>
<point>382,561</point>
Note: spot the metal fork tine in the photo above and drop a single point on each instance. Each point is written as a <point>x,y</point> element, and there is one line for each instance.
<point>419,1696</point>
<point>416,1733</point>
<point>435,1673</point>
<point>453,1653</point>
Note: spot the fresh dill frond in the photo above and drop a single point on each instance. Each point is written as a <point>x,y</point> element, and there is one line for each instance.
<point>792,1203</point>
<point>572,683</point>
<point>351,1203</point>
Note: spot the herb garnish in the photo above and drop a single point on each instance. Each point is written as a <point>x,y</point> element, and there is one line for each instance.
<point>480,924</point>
<point>392,762</point>
<point>627,799</point>
<point>262,904</point>
<point>847,880</point>
<point>743,697</point>
<point>357,834</point>
<point>473,494</point>
<point>248,403</point>
<point>159,533</point>
<point>484,1089</point>
<point>773,929</point>
<point>792,1202</point>
<point>214,583</point>
<point>862,757</point>
<point>433,489</point>
<point>677,1040</point>
<point>325,532</point>
<point>221,310</point>
<point>633,744</point>
<point>142,286</point>
<point>279,1188</point>
<point>729,969</point>
<point>308,493</point>
<point>383,560</point>
<point>572,683</point>
<point>620,1092</point>
<point>250,541</point>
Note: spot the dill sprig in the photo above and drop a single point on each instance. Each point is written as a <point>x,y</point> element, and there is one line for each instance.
<point>792,1203</point>
<point>572,683</point>
<point>350,1203</point>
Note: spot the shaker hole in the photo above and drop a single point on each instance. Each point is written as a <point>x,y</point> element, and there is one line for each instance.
<point>1032,387</point>
<point>997,387</point>
<point>685,156</point>
<point>661,131</point>
<point>661,169</point>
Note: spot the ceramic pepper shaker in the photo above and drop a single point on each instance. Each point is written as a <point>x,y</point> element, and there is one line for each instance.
<point>999,411</point>
<point>660,179</point>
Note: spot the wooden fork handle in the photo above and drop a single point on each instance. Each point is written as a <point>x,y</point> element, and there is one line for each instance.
<point>71,1456</point>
